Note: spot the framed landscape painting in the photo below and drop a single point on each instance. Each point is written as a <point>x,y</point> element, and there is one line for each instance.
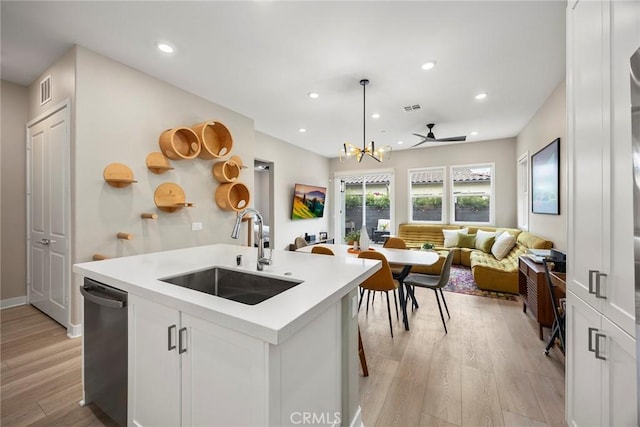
<point>545,180</point>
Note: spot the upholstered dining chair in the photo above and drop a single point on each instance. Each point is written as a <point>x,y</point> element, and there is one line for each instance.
<point>381,281</point>
<point>434,282</point>
<point>395,243</point>
<point>321,250</point>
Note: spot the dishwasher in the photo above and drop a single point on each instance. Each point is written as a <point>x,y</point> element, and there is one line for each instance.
<point>105,349</point>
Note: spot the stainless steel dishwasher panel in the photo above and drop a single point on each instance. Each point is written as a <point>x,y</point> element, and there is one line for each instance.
<point>105,348</point>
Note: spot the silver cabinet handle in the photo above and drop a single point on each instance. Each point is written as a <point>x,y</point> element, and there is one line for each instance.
<point>598,294</point>
<point>591,331</point>
<point>171,342</point>
<point>591,273</point>
<point>182,342</point>
<point>597,349</point>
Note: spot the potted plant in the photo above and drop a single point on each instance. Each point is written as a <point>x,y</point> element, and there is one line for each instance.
<point>428,246</point>
<point>352,236</point>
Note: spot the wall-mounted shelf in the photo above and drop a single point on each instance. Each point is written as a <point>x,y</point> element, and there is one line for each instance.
<point>180,143</point>
<point>99,257</point>
<point>215,139</point>
<point>125,236</point>
<point>233,196</point>
<point>238,161</point>
<point>118,175</point>
<point>148,215</point>
<point>157,163</point>
<point>170,197</point>
<point>226,171</point>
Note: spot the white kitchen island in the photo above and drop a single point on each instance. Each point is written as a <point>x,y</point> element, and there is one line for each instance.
<point>196,359</point>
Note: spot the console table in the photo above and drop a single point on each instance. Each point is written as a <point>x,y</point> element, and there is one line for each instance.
<point>532,286</point>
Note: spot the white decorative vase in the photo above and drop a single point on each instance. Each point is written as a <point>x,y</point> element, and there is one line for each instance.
<point>364,239</point>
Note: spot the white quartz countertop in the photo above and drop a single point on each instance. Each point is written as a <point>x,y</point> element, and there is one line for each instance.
<point>326,280</point>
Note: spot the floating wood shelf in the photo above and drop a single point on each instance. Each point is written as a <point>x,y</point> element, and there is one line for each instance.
<point>118,175</point>
<point>157,163</point>
<point>99,257</point>
<point>233,196</point>
<point>125,236</point>
<point>215,139</point>
<point>226,171</point>
<point>149,215</point>
<point>238,161</point>
<point>169,197</point>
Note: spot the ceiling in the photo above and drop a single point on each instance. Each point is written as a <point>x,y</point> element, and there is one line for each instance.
<point>263,58</point>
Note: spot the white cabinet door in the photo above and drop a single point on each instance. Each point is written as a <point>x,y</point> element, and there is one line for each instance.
<point>584,383</point>
<point>618,377</point>
<point>154,365</point>
<point>223,376</point>
<point>586,154</point>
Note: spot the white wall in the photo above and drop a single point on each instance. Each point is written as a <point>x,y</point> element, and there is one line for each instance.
<point>501,152</point>
<point>547,124</point>
<point>13,189</point>
<point>293,165</point>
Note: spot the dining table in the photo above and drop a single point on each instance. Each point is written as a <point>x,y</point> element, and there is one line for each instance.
<point>405,257</point>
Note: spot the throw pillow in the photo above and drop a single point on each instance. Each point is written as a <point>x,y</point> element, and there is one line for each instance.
<point>466,240</point>
<point>482,237</point>
<point>503,245</point>
<point>451,237</point>
<point>486,244</point>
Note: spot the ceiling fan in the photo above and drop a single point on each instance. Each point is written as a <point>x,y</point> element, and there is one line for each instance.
<point>432,138</point>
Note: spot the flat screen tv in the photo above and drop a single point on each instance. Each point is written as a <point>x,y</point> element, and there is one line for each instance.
<point>545,180</point>
<point>308,201</point>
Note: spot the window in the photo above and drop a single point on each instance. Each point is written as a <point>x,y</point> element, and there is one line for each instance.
<point>426,190</point>
<point>472,194</point>
<point>523,192</point>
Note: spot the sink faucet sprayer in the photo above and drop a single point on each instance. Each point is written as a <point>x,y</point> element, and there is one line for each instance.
<point>262,261</point>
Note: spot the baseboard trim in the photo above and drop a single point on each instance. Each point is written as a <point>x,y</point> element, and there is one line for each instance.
<point>74,331</point>
<point>357,419</point>
<point>13,302</point>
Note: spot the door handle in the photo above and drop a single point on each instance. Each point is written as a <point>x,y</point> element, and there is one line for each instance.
<point>590,345</point>
<point>598,294</point>
<point>171,344</point>
<point>182,341</point>
<point>597,349</point>
<point>46,242</point>
<point>591,273</point>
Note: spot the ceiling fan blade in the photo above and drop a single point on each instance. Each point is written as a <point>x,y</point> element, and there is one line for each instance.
<point>421,142</point>
<point>421,136</point>
<point>452,139</point>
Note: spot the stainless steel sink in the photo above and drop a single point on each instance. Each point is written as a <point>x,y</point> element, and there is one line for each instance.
<point>235,285</point>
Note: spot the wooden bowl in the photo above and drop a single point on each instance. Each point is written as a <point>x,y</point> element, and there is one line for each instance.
<point>215,139</point>
<point>232,196</point>
<point>180,143</point>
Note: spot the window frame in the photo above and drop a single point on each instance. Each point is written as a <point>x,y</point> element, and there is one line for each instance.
<point>523,190</point>
<point>445,195</point>
<point>492,194</point>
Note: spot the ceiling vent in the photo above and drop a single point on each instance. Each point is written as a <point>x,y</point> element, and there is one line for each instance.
<point>45,90</point>
<point>410,108</point>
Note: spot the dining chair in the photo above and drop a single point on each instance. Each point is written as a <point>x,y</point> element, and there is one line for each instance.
<point>395,243</point>
<point>558,326</point>
<point>323,250</point>
<point>381,281</point>
<point>434,282</point>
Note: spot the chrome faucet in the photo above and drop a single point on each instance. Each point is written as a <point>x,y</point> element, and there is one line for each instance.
<point>262,261</point>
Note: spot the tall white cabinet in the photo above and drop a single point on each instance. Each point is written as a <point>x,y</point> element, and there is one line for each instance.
<point>601,350</point>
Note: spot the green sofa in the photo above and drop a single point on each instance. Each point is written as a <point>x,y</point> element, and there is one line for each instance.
<point>489,273</point>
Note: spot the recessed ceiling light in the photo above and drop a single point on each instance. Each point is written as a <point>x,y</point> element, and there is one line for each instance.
<point>302,130</point>
<point>313,95</point>
<point>400,142</point>
<point>375,116</point>
<point>473,133</point>
<point>481,95</point>
<point>428,65</point>
<point>165,47</point>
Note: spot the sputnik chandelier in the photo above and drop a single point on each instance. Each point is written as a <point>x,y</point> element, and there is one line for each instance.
<point>350,150</point>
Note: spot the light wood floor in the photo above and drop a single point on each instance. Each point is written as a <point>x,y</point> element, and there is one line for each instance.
<point>488,370</point>
<point>40,379</point>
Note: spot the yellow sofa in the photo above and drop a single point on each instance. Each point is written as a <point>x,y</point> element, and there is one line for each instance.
<point>488,272</point>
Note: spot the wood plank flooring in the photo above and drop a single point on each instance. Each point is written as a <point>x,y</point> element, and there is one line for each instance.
<point>488,370</point>
<point>40,379</point>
